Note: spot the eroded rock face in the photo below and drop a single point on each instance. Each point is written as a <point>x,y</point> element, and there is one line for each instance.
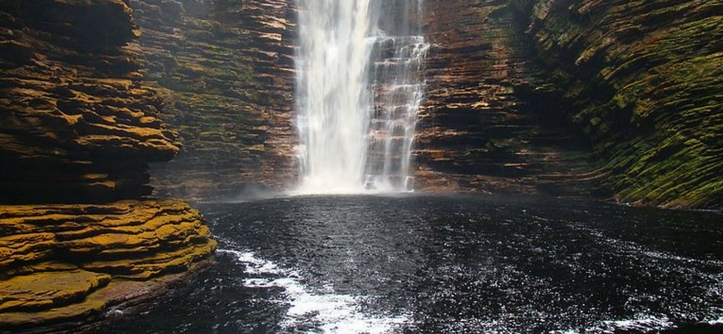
<point>63,263</point>
<point>76,123</point>
<point>226,72</point>
<point>643,79</point>
<point>486,126</point>
<point>575,97</point>
<point>615,96</point>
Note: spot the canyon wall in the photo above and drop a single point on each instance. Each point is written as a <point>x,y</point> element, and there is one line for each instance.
<point>552,97</point>
<point>643,80</point>
<point>613,99</point>
<point>78,129</point>
<point>488,123</point>
<point>225,71</point>
<point>616,99</point>
<point>75,114</point>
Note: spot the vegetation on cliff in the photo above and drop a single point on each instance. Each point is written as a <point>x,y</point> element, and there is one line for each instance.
<point>484,126</point>
<point>631,87</point>
<point>644,79</point>
<point>225,72</point>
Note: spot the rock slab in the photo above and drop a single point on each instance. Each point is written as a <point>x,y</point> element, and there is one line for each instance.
<point>59,261</point>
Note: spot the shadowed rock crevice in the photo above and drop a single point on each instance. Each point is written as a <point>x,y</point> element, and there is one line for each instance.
<point>488,125</point>
<point>615,99</point>
<point>76,123</point>
<point>643,82</point>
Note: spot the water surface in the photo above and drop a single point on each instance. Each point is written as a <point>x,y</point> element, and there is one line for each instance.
<point>449,264</point>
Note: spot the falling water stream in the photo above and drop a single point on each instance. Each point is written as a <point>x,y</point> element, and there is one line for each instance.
<point>359,87</point>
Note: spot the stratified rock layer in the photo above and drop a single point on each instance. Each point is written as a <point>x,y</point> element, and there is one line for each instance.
<point>615,99</point>
<point>485,126</point>
<point>76,123</point>
<point>61,264</point>
<point>644,81</point>
<point>225,70</point>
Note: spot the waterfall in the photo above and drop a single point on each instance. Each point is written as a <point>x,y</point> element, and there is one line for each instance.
<point>358,91</point>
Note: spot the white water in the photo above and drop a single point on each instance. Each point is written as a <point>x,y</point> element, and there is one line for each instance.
<point>331,312</point>
<point>339,313</point>
<point>398,93</point>
<point>352,84</point>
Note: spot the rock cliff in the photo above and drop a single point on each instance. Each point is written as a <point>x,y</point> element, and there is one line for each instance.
<point>642,79</point>
<point>611,99</point>
<point>606,98</point>
<point>79,127</point>
<point>485,125</point>
<point>64,265</point>
<point>617,99</point>
<point>73,112</point>
<point>226,73</point>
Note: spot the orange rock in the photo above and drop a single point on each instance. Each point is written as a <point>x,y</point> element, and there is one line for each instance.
<point>53,257</point>
<point>48,289</point>
<point>65,114</point>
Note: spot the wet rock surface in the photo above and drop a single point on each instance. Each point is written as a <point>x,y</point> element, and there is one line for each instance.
<point>556,97</point>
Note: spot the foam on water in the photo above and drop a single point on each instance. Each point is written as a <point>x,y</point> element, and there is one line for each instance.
<point>331,312</point>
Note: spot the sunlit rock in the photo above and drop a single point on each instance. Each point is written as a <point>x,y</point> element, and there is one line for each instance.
<point>77,125</point>
<point>70,262</point>
<point>72,113</point>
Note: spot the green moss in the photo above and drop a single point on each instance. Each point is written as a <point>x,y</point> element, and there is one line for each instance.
<point>660,64</point>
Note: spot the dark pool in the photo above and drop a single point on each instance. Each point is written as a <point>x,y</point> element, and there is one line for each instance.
<point>449,264</point>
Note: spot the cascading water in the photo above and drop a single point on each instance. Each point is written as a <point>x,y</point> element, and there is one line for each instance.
<point>359,87</point>
<point>398,92</point>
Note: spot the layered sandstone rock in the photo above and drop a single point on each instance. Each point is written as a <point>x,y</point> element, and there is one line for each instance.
<point>486,124</point>
<point>588,118</point>
<point>225,70</point>
<point>63,264</point>
<point>643,79</point>
<point>70,263</point>
<point>77,125</point>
